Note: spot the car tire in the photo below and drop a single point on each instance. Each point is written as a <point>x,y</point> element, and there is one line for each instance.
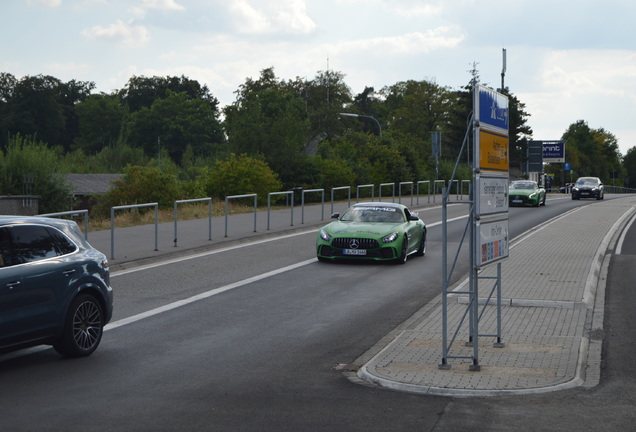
<point>405,244</point>
<point>421,251</point>
<point>83,327</point>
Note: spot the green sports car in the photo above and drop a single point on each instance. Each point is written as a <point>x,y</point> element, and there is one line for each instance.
<point>525,192</point>
<point>373,231</point>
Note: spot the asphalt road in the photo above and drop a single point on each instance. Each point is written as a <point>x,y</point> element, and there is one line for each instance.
<point>259,349</point>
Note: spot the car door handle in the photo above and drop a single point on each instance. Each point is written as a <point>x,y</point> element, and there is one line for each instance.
<point>68,272</point>
<point>12,285</point>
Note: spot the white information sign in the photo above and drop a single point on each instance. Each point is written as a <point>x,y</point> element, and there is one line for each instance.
<point>493,194</point>
<point>493,241</point>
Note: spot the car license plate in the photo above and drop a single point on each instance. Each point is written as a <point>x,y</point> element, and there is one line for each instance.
<point>354,251</point>
<point>517,201</point>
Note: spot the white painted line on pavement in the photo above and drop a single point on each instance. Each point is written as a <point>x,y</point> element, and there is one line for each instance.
<point>619,245</point>
<point>204,295</point>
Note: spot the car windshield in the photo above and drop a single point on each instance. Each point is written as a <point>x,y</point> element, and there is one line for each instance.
<point>373,214</point>
<point>523,185</point>
<point>587,182</point>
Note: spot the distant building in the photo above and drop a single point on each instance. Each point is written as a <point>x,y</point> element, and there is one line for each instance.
<point>86,185</point>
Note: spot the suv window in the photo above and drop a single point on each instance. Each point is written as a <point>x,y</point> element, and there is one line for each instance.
<point>33,243</point>
<point>6,257</point>
<point>65,246</point>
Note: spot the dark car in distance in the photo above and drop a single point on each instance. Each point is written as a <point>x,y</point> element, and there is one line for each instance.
<point>54,287</point>
<point>588,187</point>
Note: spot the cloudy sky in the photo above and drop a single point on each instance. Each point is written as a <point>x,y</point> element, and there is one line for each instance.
<point>566,60</point>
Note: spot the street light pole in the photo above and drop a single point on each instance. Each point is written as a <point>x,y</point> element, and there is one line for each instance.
<point>366,117</point>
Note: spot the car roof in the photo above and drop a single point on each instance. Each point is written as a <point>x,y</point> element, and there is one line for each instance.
<point>379,204</point>
<point>11,220</point>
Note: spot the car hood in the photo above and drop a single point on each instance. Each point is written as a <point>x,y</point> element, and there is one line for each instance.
<point>362,229</point>
<point>587,187</point>
<point>523,192</point>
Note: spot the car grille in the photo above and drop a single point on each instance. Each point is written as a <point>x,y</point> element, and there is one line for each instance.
<point>523,198</point>
<point>362,243</point>
<point>328,251</point>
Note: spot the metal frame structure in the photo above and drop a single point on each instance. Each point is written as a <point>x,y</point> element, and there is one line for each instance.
<point>472,314</point>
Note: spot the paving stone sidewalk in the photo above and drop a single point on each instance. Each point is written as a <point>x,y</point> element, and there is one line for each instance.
<point>552,317</point>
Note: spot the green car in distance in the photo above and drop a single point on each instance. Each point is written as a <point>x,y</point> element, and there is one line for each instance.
<point>525,193</point>
<point>372,231</point>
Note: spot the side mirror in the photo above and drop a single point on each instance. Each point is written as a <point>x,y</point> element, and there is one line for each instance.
<point>414,217</point>
<point>335,215</point>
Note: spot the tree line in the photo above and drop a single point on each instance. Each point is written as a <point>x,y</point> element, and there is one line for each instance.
<point>293,129</point>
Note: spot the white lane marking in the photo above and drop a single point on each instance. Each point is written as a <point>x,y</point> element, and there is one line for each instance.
<point>204,295</point>
<point>619,245</point>
<point>203,254</point>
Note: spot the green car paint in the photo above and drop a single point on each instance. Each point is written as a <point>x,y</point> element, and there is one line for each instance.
<point>372,231</point>
<point>526,193</point>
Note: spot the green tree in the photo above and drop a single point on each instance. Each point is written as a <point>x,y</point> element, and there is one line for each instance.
<point>629,164</point>
<point>141,92</point>
<point>590,152</point>
<point>268,120</point>
<point>101,120</point>
<point>28,166</point>
<point>175,123</point>
<point>326,96</point>
<point>518,129</point>
<point>240,175</point>
<point>41,106</point>
<point>417,107</point>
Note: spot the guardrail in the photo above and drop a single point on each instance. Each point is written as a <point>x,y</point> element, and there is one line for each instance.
<point>209,200</point>
<point>302,204</point>
<point>365,187</point>
<point>290,194</point>
<point>410,183</point>
<point>227,198</point>
<point>269,195</point>
<point>347,188</point>
<point>112,224</point>
<point>392,190</point>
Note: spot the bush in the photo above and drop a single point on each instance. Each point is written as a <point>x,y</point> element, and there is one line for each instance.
<point>141,185</point>
<point>240,175</point>
<point>30,167</point>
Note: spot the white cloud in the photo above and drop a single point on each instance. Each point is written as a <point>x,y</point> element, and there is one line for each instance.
<point>285,16</point>
<point>49,3</point>
<point>162,5</point>
<point>68,69</point>
<point>123,33</point>
<point>417,10</point>
<point>411,43</point>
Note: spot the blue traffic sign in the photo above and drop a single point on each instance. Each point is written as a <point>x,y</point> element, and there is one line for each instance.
<point>493,109</point>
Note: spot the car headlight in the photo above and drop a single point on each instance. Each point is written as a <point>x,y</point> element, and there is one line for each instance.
<point>575,189</point>
<point>325,235</point>
<point>390,238</point>
<point>532,195</point>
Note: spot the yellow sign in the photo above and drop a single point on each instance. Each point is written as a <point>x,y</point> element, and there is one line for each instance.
<point>493,151</point>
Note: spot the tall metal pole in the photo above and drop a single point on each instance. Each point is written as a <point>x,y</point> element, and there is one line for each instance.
<point>503,70</point>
